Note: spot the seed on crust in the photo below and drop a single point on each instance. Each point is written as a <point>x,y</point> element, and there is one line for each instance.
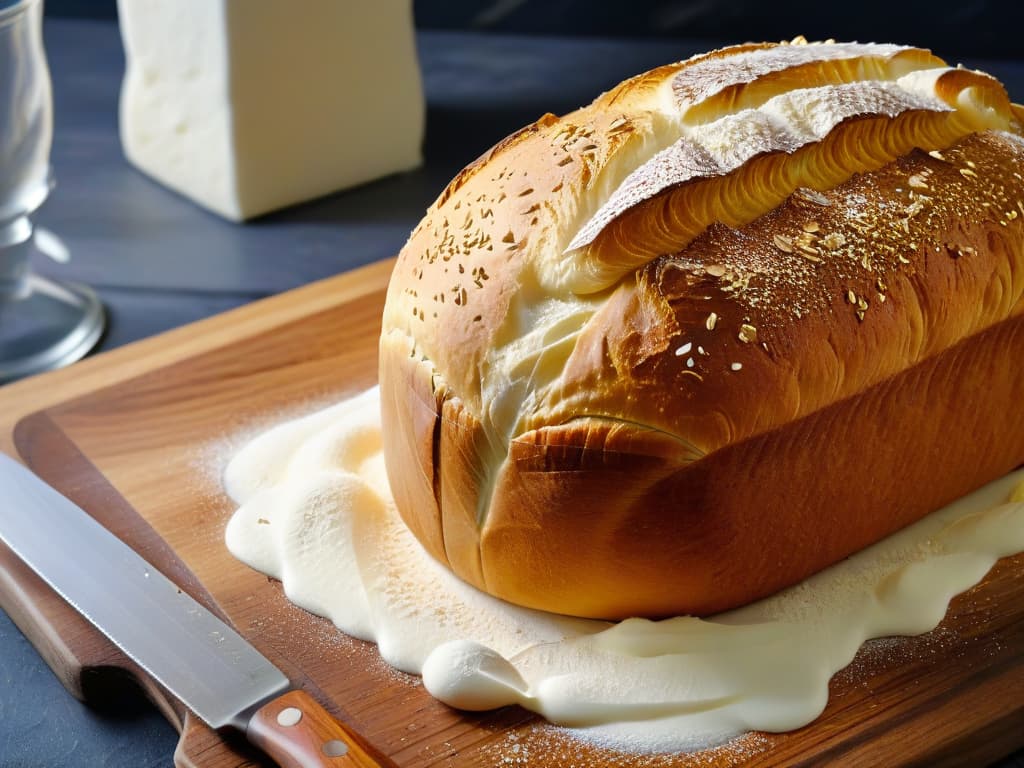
<point>783,243</point>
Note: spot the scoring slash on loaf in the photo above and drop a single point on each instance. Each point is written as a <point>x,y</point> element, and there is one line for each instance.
<point>740,317</point>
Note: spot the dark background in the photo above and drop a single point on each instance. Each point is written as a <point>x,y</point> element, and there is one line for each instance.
<point>951,28</point>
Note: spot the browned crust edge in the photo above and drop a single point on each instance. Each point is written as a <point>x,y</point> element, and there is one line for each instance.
<point>609,520</point>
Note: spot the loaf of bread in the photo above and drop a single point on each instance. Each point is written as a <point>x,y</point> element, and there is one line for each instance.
<point>737,319</point>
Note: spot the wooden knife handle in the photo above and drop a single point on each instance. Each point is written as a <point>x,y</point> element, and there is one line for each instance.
<point>297,732</point>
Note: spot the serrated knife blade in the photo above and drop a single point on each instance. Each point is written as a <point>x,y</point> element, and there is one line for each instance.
<point>202,661</point>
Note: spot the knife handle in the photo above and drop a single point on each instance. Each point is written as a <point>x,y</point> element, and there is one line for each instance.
<point>297,732</point>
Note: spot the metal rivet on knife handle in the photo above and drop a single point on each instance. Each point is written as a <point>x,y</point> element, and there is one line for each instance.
<point>335,748</point>
<point>306,738</point>
<point>289,716</point>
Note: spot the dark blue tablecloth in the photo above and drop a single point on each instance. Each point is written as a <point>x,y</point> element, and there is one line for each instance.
<point>159,262</point>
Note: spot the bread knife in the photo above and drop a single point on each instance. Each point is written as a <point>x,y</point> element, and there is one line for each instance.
<point>202,661</point>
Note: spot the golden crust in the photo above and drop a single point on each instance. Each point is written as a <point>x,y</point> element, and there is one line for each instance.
<point>704,431</point>
<point>906,261</point>
<point>596,530</point>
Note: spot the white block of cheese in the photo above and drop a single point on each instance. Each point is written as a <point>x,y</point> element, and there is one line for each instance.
<point>247,106</point>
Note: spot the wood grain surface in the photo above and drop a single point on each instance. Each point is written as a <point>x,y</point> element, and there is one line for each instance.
<point>138,438</point>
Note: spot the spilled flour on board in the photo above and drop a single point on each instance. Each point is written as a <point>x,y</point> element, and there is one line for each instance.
<point>316,512</point>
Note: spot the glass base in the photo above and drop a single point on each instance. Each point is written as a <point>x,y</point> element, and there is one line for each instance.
<point>53,325</point>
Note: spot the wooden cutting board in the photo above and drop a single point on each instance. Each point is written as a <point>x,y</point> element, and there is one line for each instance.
<point>137,437</point>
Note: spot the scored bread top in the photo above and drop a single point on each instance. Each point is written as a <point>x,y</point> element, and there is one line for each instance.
<point>752,160</point>
<point>577,268</point>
